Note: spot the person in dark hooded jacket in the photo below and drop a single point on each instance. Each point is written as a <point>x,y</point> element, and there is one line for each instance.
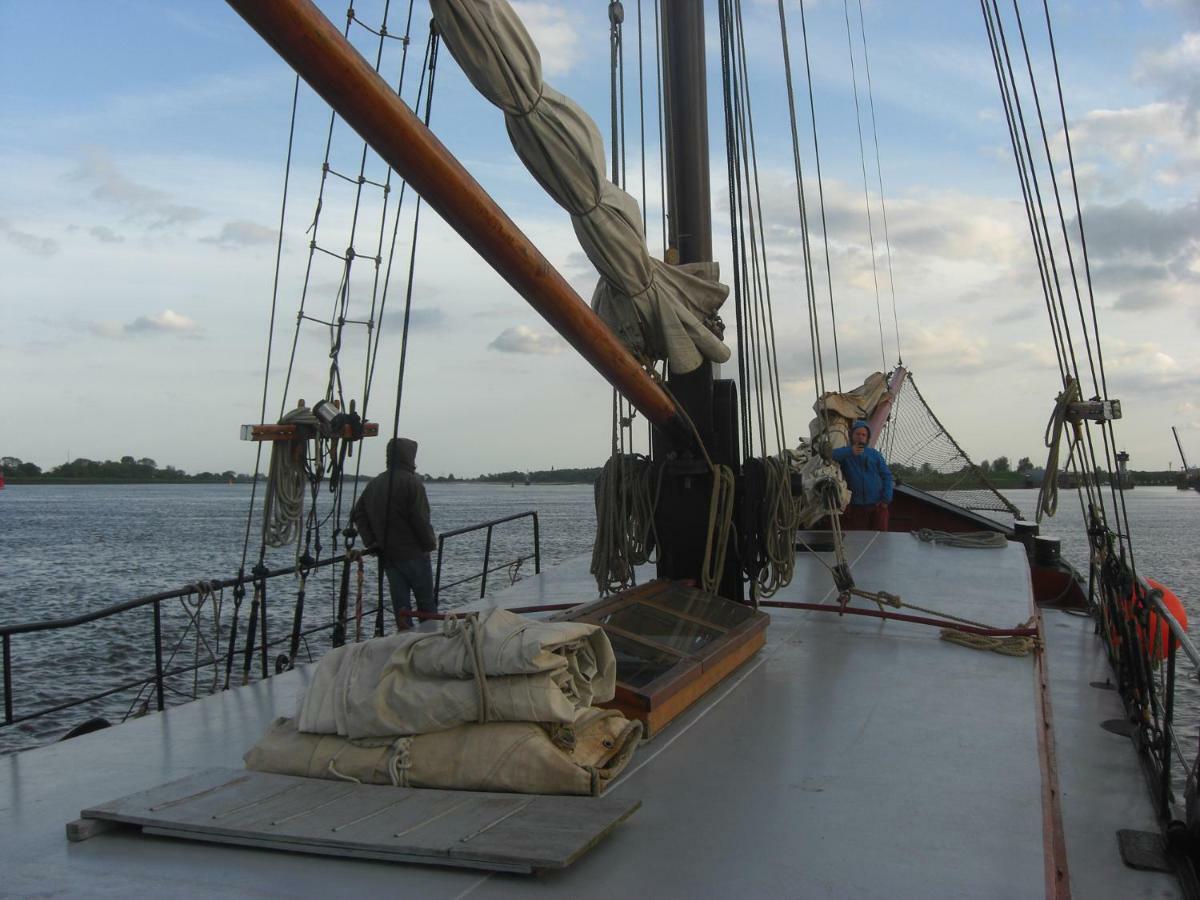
<point>869,480</point>
<point>392,515</point>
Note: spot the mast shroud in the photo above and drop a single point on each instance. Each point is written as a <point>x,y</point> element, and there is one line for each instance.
<point>301,34</point>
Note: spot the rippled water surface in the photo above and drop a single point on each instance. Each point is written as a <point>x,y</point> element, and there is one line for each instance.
<point>68,550</point>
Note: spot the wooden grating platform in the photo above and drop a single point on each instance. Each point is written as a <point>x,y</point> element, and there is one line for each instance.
<point>499,832</point>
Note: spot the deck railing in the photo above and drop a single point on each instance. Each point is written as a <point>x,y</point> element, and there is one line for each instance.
<point>487,552</point>
<point>192,598</point>
<point>1145,659</point>
<point>205,599</point>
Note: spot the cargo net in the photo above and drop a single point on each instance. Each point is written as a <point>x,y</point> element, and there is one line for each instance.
<point>922,454</point>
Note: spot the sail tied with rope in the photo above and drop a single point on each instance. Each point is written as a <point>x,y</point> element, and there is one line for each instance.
<point>658,310</point>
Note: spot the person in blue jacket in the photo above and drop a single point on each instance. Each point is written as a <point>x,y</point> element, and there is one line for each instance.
<point>869,479</point>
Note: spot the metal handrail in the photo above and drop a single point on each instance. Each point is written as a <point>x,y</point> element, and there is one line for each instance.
<point>7,632</point>
<point>173,594</point>
<point>1155,596</point>
<point>487,551</point>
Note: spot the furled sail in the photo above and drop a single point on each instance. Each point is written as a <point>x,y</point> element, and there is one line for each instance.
<point>658,310</point>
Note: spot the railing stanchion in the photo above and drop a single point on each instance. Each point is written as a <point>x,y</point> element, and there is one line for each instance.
<point>266,644</point>
<point>8,701</point>
<point>487,556</point>
<point>537,546</point>
<point>1168,729</point>
<point>158,654</point>
<point>437,578</point>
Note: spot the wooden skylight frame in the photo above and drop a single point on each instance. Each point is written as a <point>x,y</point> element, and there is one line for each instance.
<point>689,641</point>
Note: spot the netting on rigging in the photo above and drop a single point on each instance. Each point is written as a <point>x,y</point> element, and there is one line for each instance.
<point>922,453</point>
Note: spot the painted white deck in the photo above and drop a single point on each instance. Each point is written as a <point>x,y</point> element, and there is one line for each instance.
<point>850,758</point>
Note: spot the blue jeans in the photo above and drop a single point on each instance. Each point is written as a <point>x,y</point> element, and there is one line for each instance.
<point>408,577</point>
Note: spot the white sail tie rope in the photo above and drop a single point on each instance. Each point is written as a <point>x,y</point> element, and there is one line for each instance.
<point>467,628</point>
<point>1047,501</point>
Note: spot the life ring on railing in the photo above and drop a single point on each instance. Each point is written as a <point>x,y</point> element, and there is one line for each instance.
<point>1158,643</point>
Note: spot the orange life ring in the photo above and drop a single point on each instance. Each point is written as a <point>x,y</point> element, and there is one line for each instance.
<point>1159,643</point>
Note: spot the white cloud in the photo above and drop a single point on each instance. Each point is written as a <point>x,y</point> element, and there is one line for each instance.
<point>166,322</point>
<point>554,30</point>
<point>30,243</point>
<point>141,203</point>
<point>105,235</point>
<point>1176,71</point>
<point>241,233</point>
<point>523,339</point>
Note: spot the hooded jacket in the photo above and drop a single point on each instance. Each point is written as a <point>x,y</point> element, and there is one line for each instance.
<point>392,513</point>
<point>867,474</point>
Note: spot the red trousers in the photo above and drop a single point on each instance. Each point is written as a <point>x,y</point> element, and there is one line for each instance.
<point>865,518</point>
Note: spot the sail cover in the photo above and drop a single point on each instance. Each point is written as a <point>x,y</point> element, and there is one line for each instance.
<point>656,309</point>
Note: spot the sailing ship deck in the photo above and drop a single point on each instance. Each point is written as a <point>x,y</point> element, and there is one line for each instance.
<point>850,757</point>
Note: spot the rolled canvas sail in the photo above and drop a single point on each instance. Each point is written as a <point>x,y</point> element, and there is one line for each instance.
<point>496,666</point>
<point>657,310</point>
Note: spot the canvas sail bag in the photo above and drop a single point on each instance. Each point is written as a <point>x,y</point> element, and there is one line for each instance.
<point>518,757</point>
<point>493,666</point>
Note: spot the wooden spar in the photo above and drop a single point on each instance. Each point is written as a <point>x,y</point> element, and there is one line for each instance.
<point>310,44</point>
<point>884,408</point>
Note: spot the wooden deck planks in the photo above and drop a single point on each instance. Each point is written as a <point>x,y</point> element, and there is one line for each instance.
<point>505,832</point>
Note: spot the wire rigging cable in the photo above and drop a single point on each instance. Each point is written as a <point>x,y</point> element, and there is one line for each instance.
<point>862,155</point>
<point>887,241</point>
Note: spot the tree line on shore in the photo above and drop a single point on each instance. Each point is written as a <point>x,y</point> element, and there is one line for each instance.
<point>127,468</point>
<point>999,471</point>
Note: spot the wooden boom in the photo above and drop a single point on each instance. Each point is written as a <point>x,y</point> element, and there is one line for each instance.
<point>310,44</point>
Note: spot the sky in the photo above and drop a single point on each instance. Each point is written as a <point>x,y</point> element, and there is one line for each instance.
<point>143,147</point>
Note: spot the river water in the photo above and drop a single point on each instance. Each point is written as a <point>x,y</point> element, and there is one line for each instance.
<point>68,550</point>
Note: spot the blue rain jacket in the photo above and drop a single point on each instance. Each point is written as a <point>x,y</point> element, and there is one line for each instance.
<point>867,474</point>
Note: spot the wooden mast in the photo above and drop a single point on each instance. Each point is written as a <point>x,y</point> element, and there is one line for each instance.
<point>682,510</point>
<point>310,44</point>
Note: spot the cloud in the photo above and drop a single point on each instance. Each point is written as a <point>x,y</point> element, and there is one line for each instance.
<point>555,32</point>
<point>1176,71</point>
<point>1134,229</point>
<point>523,339</point>
<point>241,233</point>
<point>31,243</point>
<point>1121,152</point>
<point>141,203</point>
<point>166,322</point>
<point>420,318</point>
<point>105,235</point>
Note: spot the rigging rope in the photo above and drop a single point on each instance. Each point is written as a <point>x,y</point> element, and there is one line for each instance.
<point>862,24</point>
<point>862,155</point>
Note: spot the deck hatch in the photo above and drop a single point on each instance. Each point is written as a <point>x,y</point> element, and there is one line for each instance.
<point>673,643</point>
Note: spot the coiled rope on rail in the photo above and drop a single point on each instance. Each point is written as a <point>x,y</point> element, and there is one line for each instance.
<point>1012,645</point>
<point>782,520</point>
<point>626,498</point>
<point>283,505</point>
<point>1047,501</point>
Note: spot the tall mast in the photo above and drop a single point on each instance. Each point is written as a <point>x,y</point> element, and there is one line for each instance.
<point>683,508</point>
<point>685,103</point>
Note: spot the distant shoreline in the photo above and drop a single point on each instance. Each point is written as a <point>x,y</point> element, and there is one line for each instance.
<point>23,482</point>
